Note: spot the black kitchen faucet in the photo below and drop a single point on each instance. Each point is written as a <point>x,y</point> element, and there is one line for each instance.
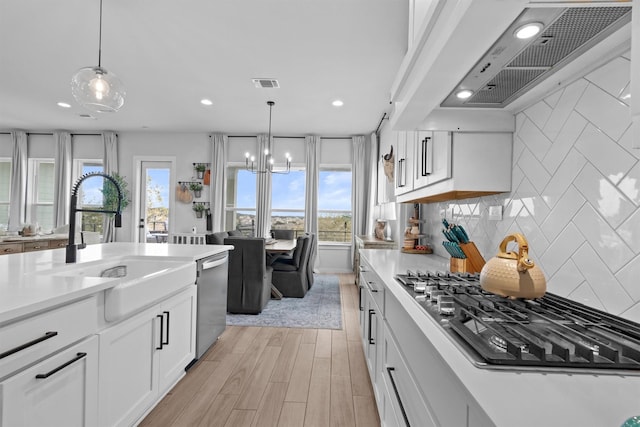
<point>72,248</point>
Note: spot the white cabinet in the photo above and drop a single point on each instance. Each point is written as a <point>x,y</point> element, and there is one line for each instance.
<point>61,390</point>
<point>432,162</point>
<point>141,357</point>
<point>462,165</point>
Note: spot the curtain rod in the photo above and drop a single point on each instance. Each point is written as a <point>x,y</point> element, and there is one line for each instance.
<point>289,137</point>
<point>381,120</point>
<point>45,133</point>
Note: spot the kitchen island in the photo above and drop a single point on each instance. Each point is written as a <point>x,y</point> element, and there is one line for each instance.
<point>433,380</point>
<point>99,341</point>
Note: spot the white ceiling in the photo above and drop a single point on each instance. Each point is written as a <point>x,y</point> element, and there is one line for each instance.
<point>170,54</point>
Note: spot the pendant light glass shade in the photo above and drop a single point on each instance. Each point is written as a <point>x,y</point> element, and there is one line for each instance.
<point>98,90</point>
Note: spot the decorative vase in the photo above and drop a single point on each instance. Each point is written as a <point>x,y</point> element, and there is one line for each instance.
<point>200,174</point>
<point>197,193</point>
<point>198,214</point>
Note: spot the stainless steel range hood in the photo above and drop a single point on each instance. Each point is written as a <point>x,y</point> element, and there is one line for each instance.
<point>470,44</point>
<point>512,66</point>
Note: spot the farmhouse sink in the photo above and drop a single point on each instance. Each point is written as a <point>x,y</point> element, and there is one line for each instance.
<point>138,281</point>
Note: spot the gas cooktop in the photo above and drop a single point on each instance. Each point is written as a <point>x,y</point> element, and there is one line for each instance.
<point>549,332</point>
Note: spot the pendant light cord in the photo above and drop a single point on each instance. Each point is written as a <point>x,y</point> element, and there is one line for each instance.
<point>100,38</point>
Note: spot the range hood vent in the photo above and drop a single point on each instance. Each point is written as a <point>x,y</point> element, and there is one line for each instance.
<point>512,66</point>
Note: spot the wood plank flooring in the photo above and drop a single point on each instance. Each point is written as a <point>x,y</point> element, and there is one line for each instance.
<point>263,376</point>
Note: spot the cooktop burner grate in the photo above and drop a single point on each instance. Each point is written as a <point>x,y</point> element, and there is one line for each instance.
<point>551,331</point>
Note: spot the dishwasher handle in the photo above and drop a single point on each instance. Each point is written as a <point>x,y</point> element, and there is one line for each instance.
<point>214,263</point>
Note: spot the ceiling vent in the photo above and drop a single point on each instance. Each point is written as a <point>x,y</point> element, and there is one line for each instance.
<point>266,83</point>
<point>512,66</point>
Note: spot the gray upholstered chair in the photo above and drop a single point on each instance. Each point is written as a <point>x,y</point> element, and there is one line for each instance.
<point>218,238</point>
<point>249,280</point>
<point>290,276</point>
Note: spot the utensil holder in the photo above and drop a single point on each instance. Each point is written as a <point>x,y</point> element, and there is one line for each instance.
<point>475,261</point>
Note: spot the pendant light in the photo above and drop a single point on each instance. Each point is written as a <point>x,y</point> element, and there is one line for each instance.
<point>268,161</point>
<point>96,88</point>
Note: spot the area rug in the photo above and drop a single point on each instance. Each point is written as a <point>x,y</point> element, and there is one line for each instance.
<point>319,309</point>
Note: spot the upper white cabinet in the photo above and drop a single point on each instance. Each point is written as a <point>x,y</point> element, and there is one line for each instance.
<point>461,165</point>
<point>432,158</point>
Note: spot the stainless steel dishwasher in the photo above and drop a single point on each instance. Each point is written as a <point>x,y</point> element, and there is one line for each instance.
<point>211,282</point>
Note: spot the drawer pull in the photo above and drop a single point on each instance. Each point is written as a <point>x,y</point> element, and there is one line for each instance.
<point>46,336</point>
<point>371,313</point>
<point>161,331</point>
<point>8,249</point>
<point>61,367</point>
<point>395,390</point>
<point>371,287</point>
<point>167,313</point>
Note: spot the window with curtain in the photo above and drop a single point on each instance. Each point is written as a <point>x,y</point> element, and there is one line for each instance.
<point>334,204</point>
<point>5,191</point>
<point>90,195</point>
<point>40,193</point>
<point>240,209</point>
<point>287,200</point>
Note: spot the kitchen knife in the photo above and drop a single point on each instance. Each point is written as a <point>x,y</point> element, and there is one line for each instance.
<point>448,248</point>
<point>464,233</point>
<point>460,234</point>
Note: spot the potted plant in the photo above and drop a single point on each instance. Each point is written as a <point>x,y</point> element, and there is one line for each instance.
<point>196,187</point>
<point>198,209</point>
<point>200,168</point>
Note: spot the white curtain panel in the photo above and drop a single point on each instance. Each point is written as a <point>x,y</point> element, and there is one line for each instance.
<point>18,206</point>
<point>311,197</point>
<point>263,190</point>
<point>360,187</point>
<point>62,175</point>
<point>110,164</point>
<point>217,188</point>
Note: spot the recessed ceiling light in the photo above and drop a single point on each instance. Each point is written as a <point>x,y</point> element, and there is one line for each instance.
<point>206,102</point>
<point>337,103</point>
<point>528,30</point>
<point>464,93</point>
<point>64,105</point>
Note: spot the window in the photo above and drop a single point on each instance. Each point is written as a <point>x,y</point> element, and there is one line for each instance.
<point>241,200</point>
<point>287,200</point>
<point>334,204</point>
<point>5,191</point>
<point>41,197</point>
<point>90,195</point>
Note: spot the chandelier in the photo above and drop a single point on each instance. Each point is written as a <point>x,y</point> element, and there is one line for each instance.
<point>250,160</point>
<point>95,88</point>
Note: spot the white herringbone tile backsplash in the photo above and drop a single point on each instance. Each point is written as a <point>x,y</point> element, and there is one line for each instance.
<point>575,194</point>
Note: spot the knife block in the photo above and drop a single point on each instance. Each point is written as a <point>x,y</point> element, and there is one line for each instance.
<point>473,262</point>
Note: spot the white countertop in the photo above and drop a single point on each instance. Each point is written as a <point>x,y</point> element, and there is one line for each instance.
<point>515,398</point>
<point>24,291</point>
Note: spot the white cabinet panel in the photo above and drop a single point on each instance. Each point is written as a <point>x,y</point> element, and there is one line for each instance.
<point>432,158</point>
<point>128,368</point>
<point>404,162</point>
<point>60,391</point>
<point>180,337</point>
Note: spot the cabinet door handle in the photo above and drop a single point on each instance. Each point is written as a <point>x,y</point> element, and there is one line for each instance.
<point>371,313</point>
<point>61,367</point>
<point>395,390</point>
<point>161,331</point>
<point>360,298</point>
<point>426,159</point>
<point>402,179</point>
<point>371,287</point>
<point>46,336</point>
<point>167,331</point>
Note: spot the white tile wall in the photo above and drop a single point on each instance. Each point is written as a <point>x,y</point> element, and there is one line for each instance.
<point>575,194</point>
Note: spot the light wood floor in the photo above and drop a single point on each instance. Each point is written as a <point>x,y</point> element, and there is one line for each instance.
<point>257,376</point>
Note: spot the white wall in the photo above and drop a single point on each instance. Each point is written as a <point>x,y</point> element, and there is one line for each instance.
<point>575,194</point>
<point>334,259</point>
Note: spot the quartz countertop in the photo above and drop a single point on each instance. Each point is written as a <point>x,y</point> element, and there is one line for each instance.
<point>26,288</point>
<point>515,398</point>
